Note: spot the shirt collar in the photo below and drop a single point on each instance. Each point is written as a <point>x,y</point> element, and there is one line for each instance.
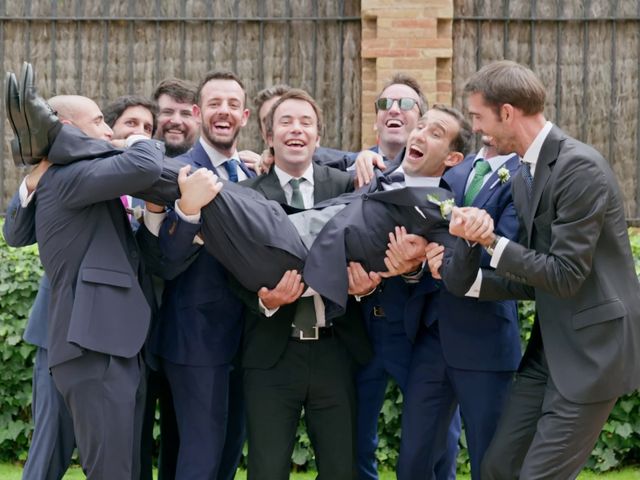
<point>494,162</point>
<point>533,152</point>
<point>217,158</point>
<point>410,181</point>
<point>284,177</point>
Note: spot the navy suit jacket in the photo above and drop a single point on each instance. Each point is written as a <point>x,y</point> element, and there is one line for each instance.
<point>88,249</point>
<point>19,231</point>
<point>475,335</point>
<point>200,318</point>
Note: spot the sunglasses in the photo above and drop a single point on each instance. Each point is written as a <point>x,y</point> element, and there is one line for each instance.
<point>404,103</point>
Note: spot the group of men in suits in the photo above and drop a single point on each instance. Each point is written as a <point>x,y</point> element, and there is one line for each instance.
<point>274,352</point>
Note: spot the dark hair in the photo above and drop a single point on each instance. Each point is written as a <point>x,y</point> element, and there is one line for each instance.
<point>412,83</point>
<point>220,75</point>
<point>267,94</point>
<point>115,109</point>
<point>462,142</point>
<point>508,82</point>
<point>294,94</point>
<point>182,91</point>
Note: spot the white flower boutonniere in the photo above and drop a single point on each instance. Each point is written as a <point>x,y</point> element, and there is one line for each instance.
<point>503,175</point>
<point>446,206</point>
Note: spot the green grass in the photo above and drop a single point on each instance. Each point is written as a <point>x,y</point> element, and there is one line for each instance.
<point>14,472</point>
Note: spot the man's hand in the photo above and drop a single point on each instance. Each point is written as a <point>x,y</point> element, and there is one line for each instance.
<point>472,224</point>
<point>288,290</point>
<point>153,208</point>
<point>435,254</point>
<point>119,142</point>
<point>361,283</point>
<point>405,254</point>
<point>31,180</point>
<point>365,161</point>
<point>197,189</point>
<point>251,159</point>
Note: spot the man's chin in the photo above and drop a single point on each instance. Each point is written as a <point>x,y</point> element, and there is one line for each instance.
<point>175,150</point>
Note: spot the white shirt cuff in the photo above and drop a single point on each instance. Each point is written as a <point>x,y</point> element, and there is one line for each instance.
<point>25,197</point>
<point>131,139</point>
<point>153,221</point>
<point>474,290</point>
<point>195,218</point>
<point>497,252</point>
<point>360,297</point>
<point>267,312</point>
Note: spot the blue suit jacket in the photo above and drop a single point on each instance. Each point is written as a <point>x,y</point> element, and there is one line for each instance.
<point>475,335</point>
<point>200,319</point>
<point>19,231</point>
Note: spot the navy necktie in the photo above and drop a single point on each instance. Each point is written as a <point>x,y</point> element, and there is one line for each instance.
<point>393,177</point>
<point>231,166</point>
<point>525,171</point>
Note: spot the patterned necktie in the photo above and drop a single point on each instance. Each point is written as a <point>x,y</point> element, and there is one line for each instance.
<point>525,170</point>
<point>481,169</point>
<point>296,195</point>
<point>231,166</point>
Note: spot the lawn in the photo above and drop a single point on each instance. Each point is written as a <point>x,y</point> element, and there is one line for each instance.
<point>14,472</point>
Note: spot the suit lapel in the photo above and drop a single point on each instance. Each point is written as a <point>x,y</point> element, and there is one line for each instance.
<point>493,183</point>
<point>201,159</point>
<point>546,159</point>
<point>271,189</point>
<point>321,184</point>
<point>247,171</point>
<point>457,176</point>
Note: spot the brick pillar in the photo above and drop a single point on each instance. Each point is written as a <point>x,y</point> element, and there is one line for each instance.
<point>410,36</point>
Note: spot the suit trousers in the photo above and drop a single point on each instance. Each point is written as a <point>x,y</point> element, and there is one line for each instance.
<point>236,432</point>
<point>53,441</point>
<point>158,391</point>
<point>434,391</point>
<point>200,396</point>
<point>541,434</point>
<point>105,396</point>
<point>315,375</point>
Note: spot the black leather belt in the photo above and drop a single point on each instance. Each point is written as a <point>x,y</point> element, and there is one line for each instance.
<point>378,311</point>
<point>316,333</point>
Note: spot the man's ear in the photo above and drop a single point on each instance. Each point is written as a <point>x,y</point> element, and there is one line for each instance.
<point>506,112</point>
<point>453,159</point>
<point>270,140</point>
<point>195,110</point>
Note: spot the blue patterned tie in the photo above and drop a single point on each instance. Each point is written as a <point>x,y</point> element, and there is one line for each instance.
<point>231,166</point>
<point>525,170</point>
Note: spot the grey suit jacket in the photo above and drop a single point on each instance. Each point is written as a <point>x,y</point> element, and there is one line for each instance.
<point>575,260</point>
<point>88,250</point>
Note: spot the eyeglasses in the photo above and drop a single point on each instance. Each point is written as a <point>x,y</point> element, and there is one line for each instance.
<point>404,103</point>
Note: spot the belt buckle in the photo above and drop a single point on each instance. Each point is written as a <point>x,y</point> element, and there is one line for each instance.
<point>378,311</point>
<point>315,336</point>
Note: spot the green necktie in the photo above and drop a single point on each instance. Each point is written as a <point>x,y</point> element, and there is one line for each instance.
<point>296,195</point>
<point>481,169</point>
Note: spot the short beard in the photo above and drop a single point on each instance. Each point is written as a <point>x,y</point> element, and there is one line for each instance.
<point>177,150</point>
<point>217,144</point>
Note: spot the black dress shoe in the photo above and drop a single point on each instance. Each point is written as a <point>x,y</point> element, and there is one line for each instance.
<point>16,120</point>
<point>41,120</point>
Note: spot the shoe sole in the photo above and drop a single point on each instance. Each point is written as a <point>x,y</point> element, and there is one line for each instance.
<point>26,78</point>
<point>11,94</point>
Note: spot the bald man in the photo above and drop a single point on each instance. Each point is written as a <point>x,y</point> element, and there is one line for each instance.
<point>98,314</point>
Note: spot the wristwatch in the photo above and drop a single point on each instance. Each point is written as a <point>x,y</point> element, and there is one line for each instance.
<point>490,248</point>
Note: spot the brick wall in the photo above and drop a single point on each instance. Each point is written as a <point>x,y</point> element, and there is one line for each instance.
<point>411,36</point>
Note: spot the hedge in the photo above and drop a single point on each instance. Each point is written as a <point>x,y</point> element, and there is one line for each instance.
<point>20,271</point>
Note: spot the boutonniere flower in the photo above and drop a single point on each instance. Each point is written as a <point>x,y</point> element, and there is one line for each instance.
<point>446,206</point>
<point>504,175</point>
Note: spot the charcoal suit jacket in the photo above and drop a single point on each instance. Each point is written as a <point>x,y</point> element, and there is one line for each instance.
<point>574,259</point>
